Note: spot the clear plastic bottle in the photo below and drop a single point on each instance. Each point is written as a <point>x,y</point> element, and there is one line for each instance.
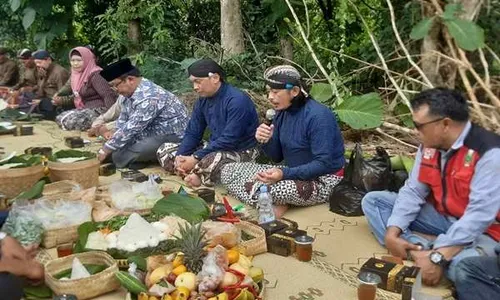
<point>266,212</point>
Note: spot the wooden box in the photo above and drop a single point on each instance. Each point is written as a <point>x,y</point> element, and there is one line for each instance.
<point>393,275</point>
<point>283,242</point>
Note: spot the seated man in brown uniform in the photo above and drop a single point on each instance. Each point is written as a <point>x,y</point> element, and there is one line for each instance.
<point>29,77</point>
<point>51,78</point>
<point>9,72</point>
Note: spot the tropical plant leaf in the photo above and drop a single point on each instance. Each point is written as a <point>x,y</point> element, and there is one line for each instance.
<point>321,92</point>
<point>468,35</point>
<point>450,10</point>
<point>83,234</point>
<point>361,112</point>
<point>422,28</point>
<point>15,4</point>
<point>402,112</point>
<point>191,209</point>
<point>29,17</point>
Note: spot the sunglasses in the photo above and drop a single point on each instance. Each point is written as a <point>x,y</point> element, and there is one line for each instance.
<point>419,126</point>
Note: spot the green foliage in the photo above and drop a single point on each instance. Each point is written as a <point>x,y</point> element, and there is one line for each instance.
<point>191,209</point>
<point>321,92</point>
<point>361,112</point>
<point>402,112</point>
<point>421,29</point>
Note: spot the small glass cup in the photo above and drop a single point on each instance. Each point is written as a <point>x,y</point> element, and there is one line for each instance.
<point>367,289</point>
<point>65,250</point>
<point>303,247</point>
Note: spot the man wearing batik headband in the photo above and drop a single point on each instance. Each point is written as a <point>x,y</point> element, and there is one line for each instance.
<point>149,117</point>
<point>230,116</point>
<point>304,135</point>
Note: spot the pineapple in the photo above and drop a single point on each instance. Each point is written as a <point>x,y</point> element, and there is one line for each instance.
<point>192,243</point>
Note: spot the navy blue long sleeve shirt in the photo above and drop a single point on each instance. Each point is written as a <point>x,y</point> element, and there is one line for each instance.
<point>231,118</point>
<point>308,139</point>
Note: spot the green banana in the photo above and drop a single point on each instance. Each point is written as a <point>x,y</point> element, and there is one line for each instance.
<point>131,283</point>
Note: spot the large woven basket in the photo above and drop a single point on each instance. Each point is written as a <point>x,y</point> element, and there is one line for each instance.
<point>86,288</point>
<point>17,180</point>
<point>85,172</point>
<point>255,246</point>
<point>56,237</point>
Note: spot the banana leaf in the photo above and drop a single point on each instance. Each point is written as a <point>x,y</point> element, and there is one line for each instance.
<point>191,209</point>
<point>33,193</point>
<point>70,154</point>
<point>26,160</point>
<point>92,269</point>
<point>37,292</point>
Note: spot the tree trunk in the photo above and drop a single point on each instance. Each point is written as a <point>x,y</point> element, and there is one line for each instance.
<point>286,48</point>
<point>134,36</point>
<point>231,27</point>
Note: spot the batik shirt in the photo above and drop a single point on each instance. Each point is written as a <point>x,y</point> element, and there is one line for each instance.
<point>150,111</point>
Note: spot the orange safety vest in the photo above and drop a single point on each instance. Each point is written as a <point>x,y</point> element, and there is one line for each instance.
<point>450,188</point>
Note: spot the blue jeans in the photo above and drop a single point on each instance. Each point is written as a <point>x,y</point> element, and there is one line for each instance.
<point>377,207</point>
<point>478,278</point>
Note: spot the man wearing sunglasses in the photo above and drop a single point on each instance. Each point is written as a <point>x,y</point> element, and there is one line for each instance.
<point>149,117</point>
<point>449,207</point>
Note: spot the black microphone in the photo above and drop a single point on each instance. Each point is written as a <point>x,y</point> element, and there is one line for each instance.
<point>270,113</point>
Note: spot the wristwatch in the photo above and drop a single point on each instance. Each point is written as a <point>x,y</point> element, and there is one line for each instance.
<point>438,259</point>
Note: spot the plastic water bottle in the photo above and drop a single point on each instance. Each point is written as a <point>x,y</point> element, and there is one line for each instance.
<point>266,212</point>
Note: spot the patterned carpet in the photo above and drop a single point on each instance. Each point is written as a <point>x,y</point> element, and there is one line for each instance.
<point>342,244</point>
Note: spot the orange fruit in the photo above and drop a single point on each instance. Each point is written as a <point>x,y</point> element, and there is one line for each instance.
<point>179,270</point>
<point>233,256</point>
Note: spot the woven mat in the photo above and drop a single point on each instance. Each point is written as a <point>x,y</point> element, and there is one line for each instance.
<point>342,244</point>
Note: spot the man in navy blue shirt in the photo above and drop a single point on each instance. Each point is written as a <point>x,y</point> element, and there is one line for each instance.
<point>230,116</point>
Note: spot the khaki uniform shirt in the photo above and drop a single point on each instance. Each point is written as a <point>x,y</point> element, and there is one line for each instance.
<point>52,81</point>
<point>9,73</point>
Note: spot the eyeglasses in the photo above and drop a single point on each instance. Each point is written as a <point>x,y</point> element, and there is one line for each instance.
<point>419,126</point>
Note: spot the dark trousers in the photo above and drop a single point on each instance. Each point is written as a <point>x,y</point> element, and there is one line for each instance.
<point>478,278</point>
<point>11,287</point>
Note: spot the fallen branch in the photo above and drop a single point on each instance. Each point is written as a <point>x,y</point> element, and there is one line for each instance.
<point>486,68</point>
<point>311,50</point>
<point>401,44</point>
<point>397,127</point>
<point>395,138</point>
<point>381,57</point>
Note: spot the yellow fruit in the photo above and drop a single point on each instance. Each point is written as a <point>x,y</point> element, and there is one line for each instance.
<point>167,297</point>
<point>256,273</point>
<point>239,268</point>
<point>228,279</point>
<point>187,280</point>
<point>233,256</point>
<point>178,260</point>
<point>245,294</point>
<point>221,296</point>
<point>179,270</point>
<point>153,298</point>
<point>143,296</point>
<point>244,261</point>
<point>160,273</point>
<point>181,293</point>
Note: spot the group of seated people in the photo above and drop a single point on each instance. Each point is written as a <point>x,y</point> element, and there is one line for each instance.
<point>445,218</point>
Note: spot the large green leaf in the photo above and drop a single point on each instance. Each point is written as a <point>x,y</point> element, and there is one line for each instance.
<point>15,4</point>
<point>29,17</point>
<point>450,10</point>
<point>421,29</point>
<point>361,112</point>
<point>191,209</point>
<point>43,8</point>
<point>321,92</point>
<point>403,113</point>
<point>467,34</point>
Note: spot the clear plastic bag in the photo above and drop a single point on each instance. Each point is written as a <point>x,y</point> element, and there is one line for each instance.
<point>127,195</point>
<point>222,233</point>
<point>22,225</point>
<point>61,214</point>
<point>213,270</point>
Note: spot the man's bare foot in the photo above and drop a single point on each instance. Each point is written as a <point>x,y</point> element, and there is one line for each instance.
<point>279,210</point>
<point>192,180</point>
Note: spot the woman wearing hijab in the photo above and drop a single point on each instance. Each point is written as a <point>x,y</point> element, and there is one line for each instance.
<point>89,93</point>
<point>304,135</point>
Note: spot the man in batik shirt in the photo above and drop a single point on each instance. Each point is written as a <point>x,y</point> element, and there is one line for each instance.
<point>150,116</point>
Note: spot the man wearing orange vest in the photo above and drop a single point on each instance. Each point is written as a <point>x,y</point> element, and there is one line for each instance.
<point>449,207</point>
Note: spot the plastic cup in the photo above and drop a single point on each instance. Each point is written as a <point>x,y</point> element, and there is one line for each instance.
<point>367,288</point>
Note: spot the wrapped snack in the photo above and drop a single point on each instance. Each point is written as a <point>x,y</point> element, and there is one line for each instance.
<point>213,270</point>
<point>222,233</point>
<point>23,225</point>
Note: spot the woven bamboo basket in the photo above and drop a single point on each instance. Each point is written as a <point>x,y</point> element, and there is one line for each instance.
<point>85,172</point>
<point>17,180</point>
<point>255,246</point>
<point>60,187</point>
<point>56,237</point>
<point>86,288</point>
<point>106,202</point>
